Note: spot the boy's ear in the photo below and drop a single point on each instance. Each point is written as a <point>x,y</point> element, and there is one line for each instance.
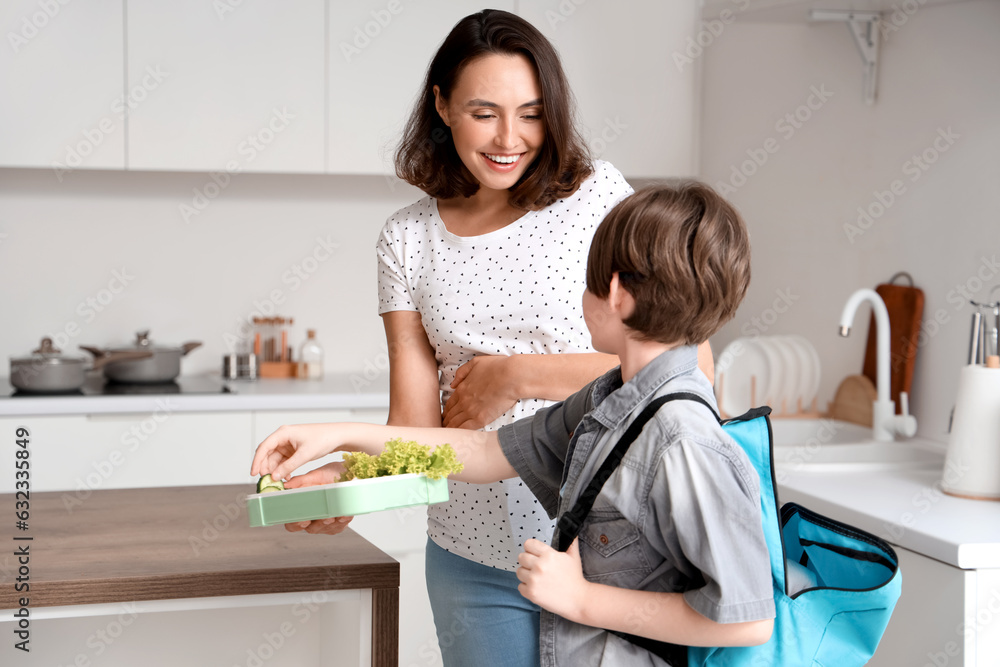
<point>621,302</point>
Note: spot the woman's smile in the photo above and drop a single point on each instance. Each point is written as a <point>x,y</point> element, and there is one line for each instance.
<point>501,162</point>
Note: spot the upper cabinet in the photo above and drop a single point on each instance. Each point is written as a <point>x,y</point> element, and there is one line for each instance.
<point>313,86</point>
<point>61,76</point>
<point>378,57</point>
<point>228,86</point>
<point>636,91</point>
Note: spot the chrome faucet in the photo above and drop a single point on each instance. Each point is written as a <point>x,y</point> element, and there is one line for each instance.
<point>885,422</point>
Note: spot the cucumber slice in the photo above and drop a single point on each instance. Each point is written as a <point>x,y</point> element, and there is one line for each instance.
<point>265,480</point>
<point>266,484</point>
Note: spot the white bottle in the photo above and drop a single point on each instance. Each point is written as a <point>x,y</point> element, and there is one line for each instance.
<point>311,357</point>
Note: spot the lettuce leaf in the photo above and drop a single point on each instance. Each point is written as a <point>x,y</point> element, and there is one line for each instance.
<point>399,458</point>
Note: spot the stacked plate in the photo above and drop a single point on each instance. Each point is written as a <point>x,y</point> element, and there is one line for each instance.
<point>780,371</point>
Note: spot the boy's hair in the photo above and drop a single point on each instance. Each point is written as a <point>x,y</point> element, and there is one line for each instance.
<point>682,252</point>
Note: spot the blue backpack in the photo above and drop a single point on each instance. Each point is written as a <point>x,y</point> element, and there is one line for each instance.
<point>844,581</point>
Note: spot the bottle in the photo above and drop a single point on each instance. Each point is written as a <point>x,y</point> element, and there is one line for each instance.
<point>311,357</point>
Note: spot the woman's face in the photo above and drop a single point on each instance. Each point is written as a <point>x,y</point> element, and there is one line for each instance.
<point>495,116</point>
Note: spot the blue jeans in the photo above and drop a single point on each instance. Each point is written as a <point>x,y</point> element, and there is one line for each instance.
<point>481,619</point>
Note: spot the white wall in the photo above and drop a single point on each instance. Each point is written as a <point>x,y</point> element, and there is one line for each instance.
<point>61,244</point>
<point>938,73</point>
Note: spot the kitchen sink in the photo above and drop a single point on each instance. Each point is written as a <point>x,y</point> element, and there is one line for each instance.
<point>815,432</point>
<point>827,445</point>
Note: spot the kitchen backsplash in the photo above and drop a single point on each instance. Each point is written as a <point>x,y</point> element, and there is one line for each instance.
<point>103,254</point>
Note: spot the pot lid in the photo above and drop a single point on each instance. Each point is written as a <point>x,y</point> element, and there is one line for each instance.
<point>144,342</point>
<point>48,354</point>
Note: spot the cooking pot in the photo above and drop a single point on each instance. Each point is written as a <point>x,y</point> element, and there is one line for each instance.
<point>47,370</point>
<point>162,364</point>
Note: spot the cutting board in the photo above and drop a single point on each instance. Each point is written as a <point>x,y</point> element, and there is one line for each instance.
<point>906,307</point>
<point>853,400</point>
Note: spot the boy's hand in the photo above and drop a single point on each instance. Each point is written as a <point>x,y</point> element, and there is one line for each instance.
<point>327,474</point>
<point>551,579</point>
<point>292,446</point>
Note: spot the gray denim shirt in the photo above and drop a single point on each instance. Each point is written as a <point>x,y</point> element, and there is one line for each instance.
<point>680,514</point>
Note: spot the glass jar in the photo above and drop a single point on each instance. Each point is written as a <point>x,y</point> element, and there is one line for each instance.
<point>311,357</point>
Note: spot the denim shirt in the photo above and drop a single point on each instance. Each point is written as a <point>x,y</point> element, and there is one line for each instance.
<point>680,514</point>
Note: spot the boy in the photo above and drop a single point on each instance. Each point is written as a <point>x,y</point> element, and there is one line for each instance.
<point>673,548</point>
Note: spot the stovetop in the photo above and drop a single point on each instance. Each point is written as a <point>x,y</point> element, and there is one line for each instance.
<point>96,385</point>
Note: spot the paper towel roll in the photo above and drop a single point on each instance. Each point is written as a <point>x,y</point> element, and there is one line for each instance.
<point>972,466</point>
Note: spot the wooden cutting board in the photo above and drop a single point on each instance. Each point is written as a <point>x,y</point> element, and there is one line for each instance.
<point>906,307</point>
<point>853,400</point>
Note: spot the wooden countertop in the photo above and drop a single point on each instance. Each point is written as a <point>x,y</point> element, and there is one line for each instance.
<point>179,542</point>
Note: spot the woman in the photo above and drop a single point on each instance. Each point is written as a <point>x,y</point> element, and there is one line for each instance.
<point>479,292</point>
<point>481,280</point>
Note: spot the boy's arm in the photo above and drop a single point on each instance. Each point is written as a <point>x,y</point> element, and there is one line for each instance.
<point>665,617</point>
<point>293,446</point>
<point>555,581</point>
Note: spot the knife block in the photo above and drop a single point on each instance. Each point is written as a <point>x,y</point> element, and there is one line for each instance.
<point>277,369</point>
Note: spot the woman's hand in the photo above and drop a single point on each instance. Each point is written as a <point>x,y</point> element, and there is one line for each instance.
<point>330,526</point>
<point>551,579</point>
<point>327,474</point>
<point>483,390</point>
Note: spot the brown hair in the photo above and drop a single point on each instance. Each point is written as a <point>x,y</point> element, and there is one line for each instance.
<point>426,155</point>
<point>682,252</point>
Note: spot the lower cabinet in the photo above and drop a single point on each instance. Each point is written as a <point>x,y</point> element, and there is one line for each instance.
<point>79,454</point>
<point>927,622</point>
<point>945,617</point>
<point>308,629</point>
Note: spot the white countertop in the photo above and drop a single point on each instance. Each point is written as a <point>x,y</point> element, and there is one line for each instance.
<point>906,507</point>
<point>337,391</point>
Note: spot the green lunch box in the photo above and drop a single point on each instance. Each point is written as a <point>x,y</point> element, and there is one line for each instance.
<point>357,496</point>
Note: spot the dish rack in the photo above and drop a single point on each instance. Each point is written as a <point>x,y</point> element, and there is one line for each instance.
<point>781,371</point>
<point>782,411</point>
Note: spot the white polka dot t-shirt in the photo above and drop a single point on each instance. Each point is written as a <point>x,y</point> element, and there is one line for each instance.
<point>516,290</point>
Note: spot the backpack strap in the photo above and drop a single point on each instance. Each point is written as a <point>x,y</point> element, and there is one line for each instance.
<point>571,522</point>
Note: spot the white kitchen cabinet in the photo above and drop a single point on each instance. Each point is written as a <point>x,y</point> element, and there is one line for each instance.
<point>637,95</point>
<point>82,453</point>
<point>946,616</point>
<point>61,73</point>
<point>311,86</point>
<point>928,617</point>
<point>378,58</point>
<point>215,631</point>
<point>238,87</point>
